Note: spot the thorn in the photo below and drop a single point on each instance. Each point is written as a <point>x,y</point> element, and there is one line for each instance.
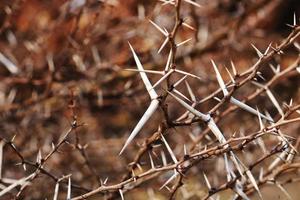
<point>180,94</point>
<point>24,167</point>
<point>268,48</point>
<point>284,191</point>
<point>169,180</point>
<point>146,71</point>
<point>202,116</point>
<point>261,125</point>
<point>151,161</point>
<point>163,45</point>
<point>165,33</point>
<point>248,108</point>
<point>217,99</point>
<point>185,150</point>
<point>220,80</point>
<point>10,66</point>
<point>260,55</point>
<point>291,102</point>
<point>231,77</point>
<point>261,174</point>
<point>39,157</point>
<point>233,68</point>
<point>168,61</point>
<point>193,3</point>
<point>163,158</point>
<point>121,194</point>
<point>144,77</point>
<point>69,189</point>
<point>56,190</point>
<point>188,26</point>
<point>252,180</point>
<point>192,95</point>
<point>162,79</point>
<point>227,167</point>
<point>149,112</point>
<point>13,138</point>
<point>239,190</point>
<point>186,73</point>
<point>181,43</point>
<point>105,181</point>
<point>206,181</point>
<point>180,80</point>
<point>169,149</point>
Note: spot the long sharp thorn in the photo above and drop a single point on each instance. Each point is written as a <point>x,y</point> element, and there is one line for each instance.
<point>151,161</point>
<point>169,180</point>
<point>185,150</point>
<point>192,95</point>
<point>295,20</point>
<point>188,26</point>
<point>220,80</point>
<point>227,167</point>
<point>260,55</point>
<point>151,109</point>
<point>146,71</point>
<point>144,77</point>
<point>268,48</point>
<point>239,191</point>
<point>275,102</point>
<point>233,68</point>
<point>236,162</point>
<point>180,80</point>
<point>185,41</point>
<point>158,28</point>
<point>284,191</point>
<point>261,174</point>
<point>121,194</point>
<point>162,79</point>
<point>169,149</point>
<point>261,125</point>
<point>231,77</point>
<point>168,61</point>
<point>193,3</point>
<point>252,180</point>
<point>186,73</point>
<point>163,158</point>
<point>69,189</point>
<point>206,181</point>
<point>163,45</point>
<point>202,116</point>
<point>248,108</point>
<point>56,190</point>
<point>180,94</point>
<point>273,68</point>
<point>10,66</point>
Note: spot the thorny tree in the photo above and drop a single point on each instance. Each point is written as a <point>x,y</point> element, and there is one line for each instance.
<point>236,127</point>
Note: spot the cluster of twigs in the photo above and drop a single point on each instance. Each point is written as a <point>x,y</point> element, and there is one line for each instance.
<point>244,172</point>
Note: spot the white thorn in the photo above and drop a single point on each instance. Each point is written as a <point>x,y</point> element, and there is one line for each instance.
<point>169,150</point>
<point>158,28</point>
<point>220,80</point>
<point>149,112</point>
